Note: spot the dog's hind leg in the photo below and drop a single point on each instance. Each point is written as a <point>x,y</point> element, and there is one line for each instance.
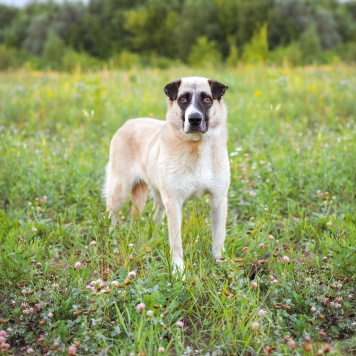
<point>139,197</point>
<point>116,198</point>
<point>159,207</point>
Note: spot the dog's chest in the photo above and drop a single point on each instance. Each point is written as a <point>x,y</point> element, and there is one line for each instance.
<point>193,177</point>
<point>201,180</point>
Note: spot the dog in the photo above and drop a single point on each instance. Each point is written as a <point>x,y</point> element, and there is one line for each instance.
<point>178,159</point>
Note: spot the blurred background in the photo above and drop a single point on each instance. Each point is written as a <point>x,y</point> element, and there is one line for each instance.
<point>124,34</point>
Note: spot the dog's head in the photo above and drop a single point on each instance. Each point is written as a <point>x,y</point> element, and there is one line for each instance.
<point>195,104</point>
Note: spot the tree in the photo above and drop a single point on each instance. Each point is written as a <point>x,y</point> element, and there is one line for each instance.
<point>7,15</point>
<point>346,22</point>
<point>15,33</point>
<point>253,14</point>
<point>310,43</point>
<point>282,29</point>
<point>227,11</point>
<point>204,53</point>
<point>156,28</point>
<point>53,49</point>
<point>150,28</point>
<point>233,56</point>
<point>298,12</point>
<point>36,34</point>
<point>89,37</point>
<point>67,17</point>
<point>256,51</point>
<point>326,27</point>
<point>197,18</point>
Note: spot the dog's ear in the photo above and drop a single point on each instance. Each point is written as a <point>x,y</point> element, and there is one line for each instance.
<point>217,89</point>
<point>171,89</point>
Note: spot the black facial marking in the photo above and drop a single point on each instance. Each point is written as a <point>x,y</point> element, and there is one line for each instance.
<point>217,89</point>
<point>171,89</point>
<point>195,104</point>
<point>184,100</point>
<point>206,100</point>
<point>198,120</point>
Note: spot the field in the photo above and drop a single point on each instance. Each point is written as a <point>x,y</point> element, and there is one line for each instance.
<point>288,282</point>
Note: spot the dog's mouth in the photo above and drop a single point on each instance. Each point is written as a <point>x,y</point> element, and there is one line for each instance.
<point>195,124</point>
<point>196,130</point>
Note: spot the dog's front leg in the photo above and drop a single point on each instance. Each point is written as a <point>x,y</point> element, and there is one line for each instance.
<point>218,218</point>
<point>174,216</point>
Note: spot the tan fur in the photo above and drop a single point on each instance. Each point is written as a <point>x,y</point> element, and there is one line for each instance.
<point>139,197</point>
<point>176,166</point>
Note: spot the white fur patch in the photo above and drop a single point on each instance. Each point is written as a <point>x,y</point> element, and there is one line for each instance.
<point>192,109</point>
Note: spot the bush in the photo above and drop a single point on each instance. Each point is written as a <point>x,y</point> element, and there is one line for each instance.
<point>125,60</point>
<point>155,61</point>
<point>76,61</point>
<point>256,51</point>
<point>53,50</point>
<point>8,58</point>
<point>11,58</point>
<point>310,44</point>
<point>204,53</point>
<point>347,52</point>
<point>290,55</point>
<point>233,56</point>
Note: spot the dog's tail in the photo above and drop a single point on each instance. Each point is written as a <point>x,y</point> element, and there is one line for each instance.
<point>139,196</point>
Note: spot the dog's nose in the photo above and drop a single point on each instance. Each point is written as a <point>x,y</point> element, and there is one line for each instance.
<point>195,120</point>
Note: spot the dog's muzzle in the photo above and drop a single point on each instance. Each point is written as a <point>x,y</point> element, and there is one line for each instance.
<point>196,124</point>
<point>195,120</point>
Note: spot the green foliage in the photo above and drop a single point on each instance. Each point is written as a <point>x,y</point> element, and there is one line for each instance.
<point>11,58</point>
<point>197,19</point>
<point>256,51</point>
<point>204,53</point>
<point>347,52</point>
<point>165,32</point>
<point>36,34</point>
<point>292,142</point>
<point>227,13</point>
<point>79,61</point>
<point>253,16</point>
<point>125,60</point>
<point>91,38</point>
<point>154,61</point>
<point>327,28</point>
<point>148,31</point>
<point>137,22</point>
<point>233,56</point>
<point>290,55</point>
<point>7,15</point>
<point>310,44</point>
<point>53,49</point>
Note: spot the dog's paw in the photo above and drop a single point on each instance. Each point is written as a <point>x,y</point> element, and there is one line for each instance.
<point>178,269</point>
<point>218,256</point>
<point>178,275</point>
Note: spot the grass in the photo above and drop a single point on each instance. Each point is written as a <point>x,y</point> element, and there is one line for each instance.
<point>291,230</point>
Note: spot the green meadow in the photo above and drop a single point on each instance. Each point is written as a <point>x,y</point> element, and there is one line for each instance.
<point>287,284</point>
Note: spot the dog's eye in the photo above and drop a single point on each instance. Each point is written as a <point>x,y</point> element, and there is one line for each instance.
<point>183,100</point>
<point>207,100</point>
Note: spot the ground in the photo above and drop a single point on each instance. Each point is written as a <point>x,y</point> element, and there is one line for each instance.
<point>287,282</point>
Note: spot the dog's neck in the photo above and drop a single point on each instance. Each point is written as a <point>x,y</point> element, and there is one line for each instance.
<point>188,137</point>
